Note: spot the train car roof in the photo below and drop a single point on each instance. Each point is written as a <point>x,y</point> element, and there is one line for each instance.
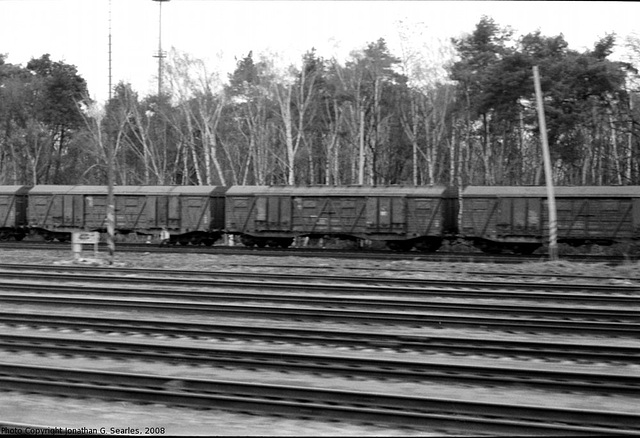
<point>14,190</point>
<point>127,190</point>
<point>49,190</point>
<point>560,191</point>
<point>258,190</point>
<point>80,190</point>
<point>199,190</point>
<point>420,191</point>
<point>170,190</point>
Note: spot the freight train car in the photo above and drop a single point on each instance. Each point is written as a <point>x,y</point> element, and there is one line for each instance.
<point>491,218</point>
<point>596,215</point>
<point>189,213</point>
<point>13,212</point>
<point>402,217</point>
<point>516,218</point>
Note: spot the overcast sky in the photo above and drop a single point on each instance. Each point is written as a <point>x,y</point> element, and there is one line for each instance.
<point>76,31</point>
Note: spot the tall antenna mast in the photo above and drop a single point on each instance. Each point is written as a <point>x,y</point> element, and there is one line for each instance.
<point>110,87</point>
<point>160,55</point>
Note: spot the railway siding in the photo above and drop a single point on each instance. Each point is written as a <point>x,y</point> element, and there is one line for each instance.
<point>177,375</point>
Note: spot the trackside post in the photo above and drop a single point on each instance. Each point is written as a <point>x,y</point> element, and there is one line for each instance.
<point>84,238</point>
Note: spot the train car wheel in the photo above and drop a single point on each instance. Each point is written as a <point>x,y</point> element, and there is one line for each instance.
<point>488,248</point>
<point>399,245</point>
<point>525,249</point>
<point>428,246</point>
<point>247,241</point>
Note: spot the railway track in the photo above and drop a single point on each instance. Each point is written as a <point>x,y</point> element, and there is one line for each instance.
<point>314,298</point>
<point>405,287</point>
<point>428,343</point>
<point>377,408</point>
<point>353,317</point>
<point>329,364</point>
<point>334,293</point>
<point>441,256</point>
<point>303,305</point>
<point>316,307</point>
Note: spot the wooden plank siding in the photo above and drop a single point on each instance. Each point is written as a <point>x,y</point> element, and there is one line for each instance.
<point>595,218</point>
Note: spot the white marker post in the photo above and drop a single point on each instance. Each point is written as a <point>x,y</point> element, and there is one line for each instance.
<point>84,238</point>
<point>553,223</point>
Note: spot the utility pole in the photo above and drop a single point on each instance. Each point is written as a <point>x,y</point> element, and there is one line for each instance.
<point>160,55</point>
<point>361,159</point>
<point>551,200</point>
<point>110,87</point>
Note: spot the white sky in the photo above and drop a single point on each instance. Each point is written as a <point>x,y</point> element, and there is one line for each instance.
<point>76,31</point>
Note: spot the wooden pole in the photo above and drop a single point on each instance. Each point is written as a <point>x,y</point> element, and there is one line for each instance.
<point>361,158</point>
<point>111,209</point>
<point>551,200</point>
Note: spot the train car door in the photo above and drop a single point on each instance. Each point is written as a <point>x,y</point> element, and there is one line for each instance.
<point>386,214</point>
<point>151,212</point>
<point>635,220</point>
<point>7,210</point>
<point>519,216</point>
<point>67,210</point>
<point>173,212</point>
<point>261,213</point>
<point>162,204</point>
<point>196,212</point>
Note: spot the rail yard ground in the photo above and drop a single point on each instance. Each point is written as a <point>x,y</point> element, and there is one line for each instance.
<point>95,414</point>
<point>211,263</point>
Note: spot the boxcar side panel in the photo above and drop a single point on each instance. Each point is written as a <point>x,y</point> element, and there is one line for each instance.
<point>13,206</point>
<point>479,217</point>
<point>46,211</point>
<point>425,217</point>
<point>196,213</point>
<point>329,215</point>
<point>240,214</point>
<point>7,211</point>
<point>635,218</point>
<point>95,211</point>
<point>593,219</point>
<point>130,211</point>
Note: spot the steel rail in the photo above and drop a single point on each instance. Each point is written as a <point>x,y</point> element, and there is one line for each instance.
<point>536,276</point>
<point>351,338</point>
<point>230,278</point>
<point>378,408</point>
<point>350,316</point>
<point>370,254</point>
<point>330,301</point>
<point>377,368</point>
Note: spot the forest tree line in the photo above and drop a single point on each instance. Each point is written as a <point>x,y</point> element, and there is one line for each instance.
<point>459,113</point>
